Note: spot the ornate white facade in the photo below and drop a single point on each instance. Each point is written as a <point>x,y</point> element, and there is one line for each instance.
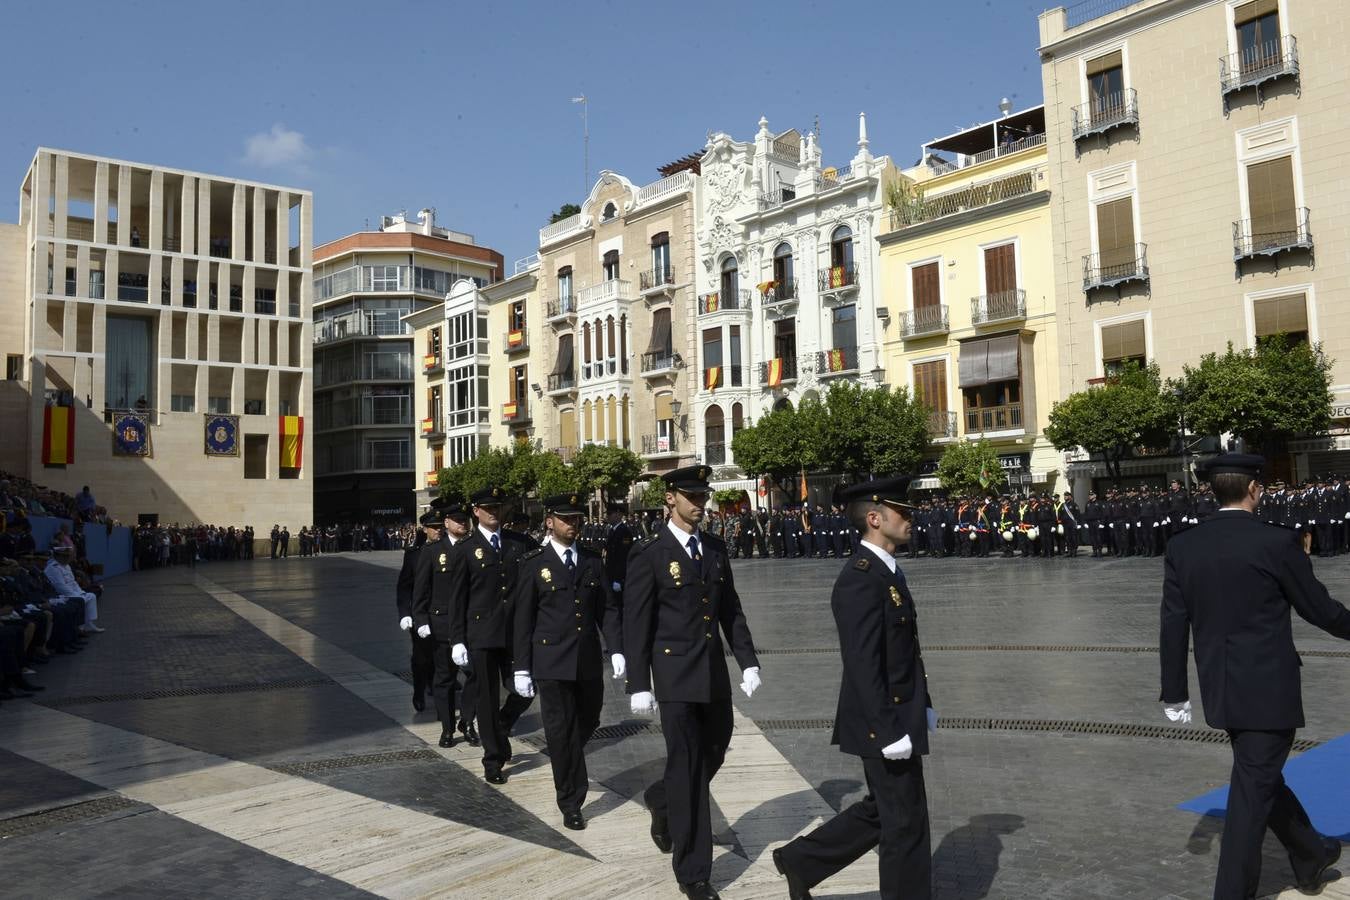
<point>787,285</point>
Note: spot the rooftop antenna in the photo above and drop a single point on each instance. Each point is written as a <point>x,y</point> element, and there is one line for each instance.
<point>586,144</point>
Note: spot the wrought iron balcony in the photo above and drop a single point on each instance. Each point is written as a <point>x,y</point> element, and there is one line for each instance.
<point>727,376</point>
<point>924,322</point>
<point>432,428</point>
<point>994,418</point>
<point>1105,113</point>
<point>516,340</point>
<point>1256,65</point>
<point>839,361</point>
<point>1116,267</point>
<point>660,445</point>
<point>724,301</point>
<point>774,294</point>
<point>1001,306</point>
<point>777,197</point>
<point>516,412</point>
<point>977,195</point>
<point>561,310</point>
<point>837,279</point>
<point>715,454</point>
<point>657,280</point>
<point>660,362</point>
<point>1269,236</point>
<point>431,362</point>
<point>942,424</point>
<point>561,383</point>
<point>784,368</point>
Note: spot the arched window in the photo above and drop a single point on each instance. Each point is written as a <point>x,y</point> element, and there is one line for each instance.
<point>599,341</point>
<point>841,247</point>
<point>611,345</point>
<point>714,436</point>
<point>623,343</point>
<point>611,264</point>
<point>586,349</point>
<point>565,289</point>
<point>782,271</point>
<point>730,280</point>
<point>625,408</point>
<point>586,421</point>
<point>737,418</point>
<point>609,212</point>
<point>612,429</point>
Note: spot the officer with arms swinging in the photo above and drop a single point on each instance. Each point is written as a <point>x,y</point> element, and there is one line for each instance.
<point>1233,580</point>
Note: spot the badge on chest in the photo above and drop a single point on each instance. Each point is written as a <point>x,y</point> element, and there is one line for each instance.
<point>676,572</point>
<point>895,595</point>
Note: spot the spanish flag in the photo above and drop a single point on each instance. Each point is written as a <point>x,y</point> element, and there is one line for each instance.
<point>775,372</point>
<point>710,302</point>
<point>509,409</point>
<point>711,377</point>
<point>836,360</point>
<point>292,441</point>
<point>58,435</point>
<point>837,277</point>
<point>515,337</point>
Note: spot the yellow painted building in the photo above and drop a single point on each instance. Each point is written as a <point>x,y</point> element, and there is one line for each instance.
<point>968,293</point>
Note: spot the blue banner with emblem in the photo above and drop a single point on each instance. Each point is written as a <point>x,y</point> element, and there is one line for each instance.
<point>131,435</point>
<point>222,435</point>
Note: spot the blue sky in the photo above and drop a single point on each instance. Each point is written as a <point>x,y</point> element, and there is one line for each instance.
<point>378,107</point>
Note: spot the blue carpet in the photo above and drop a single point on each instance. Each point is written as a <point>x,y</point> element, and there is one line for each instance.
<point>1320,778</point>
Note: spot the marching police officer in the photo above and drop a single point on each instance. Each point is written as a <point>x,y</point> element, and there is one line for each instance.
<point>563,597</point>
<point>680,590</point>
<point>884,714</point>
<point>482,570</point>
<point>1233,580</point>
<point>423,648</point>
<point>618,544</point>
<point>433,607</point>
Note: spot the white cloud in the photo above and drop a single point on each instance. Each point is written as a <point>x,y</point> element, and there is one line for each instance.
<point>278,147</point>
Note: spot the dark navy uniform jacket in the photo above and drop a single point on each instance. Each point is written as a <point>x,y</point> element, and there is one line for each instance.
<point>559,616</point>
<point>671,617</point>
<point>618,545</point>
<point>433,596</point>
<point>884,693</point>
<point>482,580</point>
<point>1233,580</point>
<point>407,578</point>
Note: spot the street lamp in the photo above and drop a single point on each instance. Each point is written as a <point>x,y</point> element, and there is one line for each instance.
<point>1180,394</point>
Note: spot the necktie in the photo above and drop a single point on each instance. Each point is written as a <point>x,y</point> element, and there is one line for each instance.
<point>496,544</point>
<point>567,560</point>
<point>697,557</point>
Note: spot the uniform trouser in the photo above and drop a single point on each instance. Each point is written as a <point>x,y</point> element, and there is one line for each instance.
<point>491,667</point>
<point>697,735</point>
<point>1325,546</point>
<point>571,712</point>
<point>894,814</point>
<point>444,677</point>
<point>1048,538</point>
<point>1257,798</point>
<point>1121,533</point>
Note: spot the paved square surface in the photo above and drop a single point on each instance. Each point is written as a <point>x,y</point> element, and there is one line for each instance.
<point>243,730</point>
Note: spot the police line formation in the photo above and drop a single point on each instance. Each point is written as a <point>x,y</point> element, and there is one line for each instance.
<point>498,618</point>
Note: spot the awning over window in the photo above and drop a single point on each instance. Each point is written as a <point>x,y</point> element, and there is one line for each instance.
<point>988,361</point>
<point>563,365</point>
<point>660,341</point>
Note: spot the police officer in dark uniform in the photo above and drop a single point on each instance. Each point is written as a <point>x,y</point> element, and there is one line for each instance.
<point>423,648</point>
<point>885,712</point>
<point>482,572</point>
<point>680,590</point>
<point>433,605</point>
<point>618,544</point>
<point>562,601</point>
<point>1233,580</point>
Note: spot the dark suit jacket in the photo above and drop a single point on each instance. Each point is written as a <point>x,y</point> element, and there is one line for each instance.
<point>481,582</point>
<point>407,576</point>
<point>433,595</point>
<point>671,617</point>
<point>618,545</point>
<point>559,616</point>
<point>1233,580</point>
<point>884,692</point>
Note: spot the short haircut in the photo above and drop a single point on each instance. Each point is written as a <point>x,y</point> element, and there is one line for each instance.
<point>857,513</point>
<point>1230,488</point>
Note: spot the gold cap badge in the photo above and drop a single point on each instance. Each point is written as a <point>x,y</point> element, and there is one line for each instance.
<point>546,574</point>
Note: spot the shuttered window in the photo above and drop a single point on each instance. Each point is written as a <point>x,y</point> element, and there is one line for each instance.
<point>930,384</point>
<point>1106,84</point>
<point>660,342</point>
<point>927,290</point>
<point>1281,315</point>
<point>1270,197</point>
<point>663,410</point>
<point>1000,269</point>
<point>1115,233</point>
<point>1123,343</point>
<point>563,364</point>
<point>567,428</point>
<point>1105,63</point>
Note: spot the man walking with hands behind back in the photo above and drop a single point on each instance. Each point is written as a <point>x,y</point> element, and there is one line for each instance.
<point>885,711</point>
<point>1233,580</point>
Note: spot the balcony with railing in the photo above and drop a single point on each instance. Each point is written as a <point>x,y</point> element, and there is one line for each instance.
<point>715,454</point>
<point>560,384</point>
<point>926,321</point>
<point>660,445</point>
<point>666,187</point>
<point>1271,235</point>
<point>920,208</point>
<point>612,291</point>
<point>994,418</point>
<point>350,325</point>
<point>657,363</point>
<point>832,177</point>
<point>941,424</point>
<point>133,288</point>
<point>836,281</point>
<point>431,363</point>
<point>839,361</point>
<point>1254,66</point>
<point>432,478</point>
<point>779,294</point>
<point>432,428</point>
<point>776,197</point>
<point>525,263</point>
<point>516,412</point>
<point>516,340</point>
<point>778,371</point>
<point>657,281</point>
<point>1102,114</point>
<point>561,311</point>
<point>556,231</point>
<point>1101,270</point>
<point>724,301</point>
<point>942,166</point>
<point>715,377</point>
<point>1000,306</point>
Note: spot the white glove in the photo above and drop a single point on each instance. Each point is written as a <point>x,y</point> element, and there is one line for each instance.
<point>750,681</point>
<point>424,631</point>
<point>643,703</point>
<point>1138,524</point>
<point>620,665</point>
<point>901,749</point>
<point>932,719</point>
<point>459,655</point>
<point>524,686</point>
<point>405,623</point>
<point>1180,713</point>
<point>616,587</point>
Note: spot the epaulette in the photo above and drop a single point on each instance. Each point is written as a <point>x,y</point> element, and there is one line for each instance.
<point>715,538</point>
<point>531,554</point>
<point>648,541</point>
<point>862,564</point>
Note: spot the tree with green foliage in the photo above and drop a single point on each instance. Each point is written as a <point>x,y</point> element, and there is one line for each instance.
<point>654,494</point>
<point>566,211</point>
<point>1128,411</point>
<point>492,466</point>
<point>782,444</point>
<point>970,468</point>
<point>606,468</point>
<point>553,476</point>
<point>725,497</point>
<point>1280,390</point>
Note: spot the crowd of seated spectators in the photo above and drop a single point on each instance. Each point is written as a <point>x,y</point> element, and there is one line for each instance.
<point>19,495</point>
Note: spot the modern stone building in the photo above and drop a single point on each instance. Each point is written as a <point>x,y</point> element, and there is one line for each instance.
<point>365,405</point>
<point>164,325</point>
<point>1197,174</point>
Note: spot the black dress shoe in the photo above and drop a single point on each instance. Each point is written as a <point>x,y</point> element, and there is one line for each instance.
<point>574,821</point>
<point>26,685</point>
<point>470,734</point>
<point>797,889</point>
<point>419,701</point>
<point>495,777</point>
<point>447,739</point>
<point>661,835</point>
<point>699,890</point>
<point>1313,884</point>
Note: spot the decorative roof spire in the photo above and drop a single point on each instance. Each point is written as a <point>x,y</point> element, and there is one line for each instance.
<point>862,131</point>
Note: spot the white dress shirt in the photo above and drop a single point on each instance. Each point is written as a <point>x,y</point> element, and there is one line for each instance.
<point>885,557</point>
<point>683,537</point>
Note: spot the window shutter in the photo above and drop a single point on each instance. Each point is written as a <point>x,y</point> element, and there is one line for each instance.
<point>974,364</point>
<point>663,410</point>
<point>1270,195</point>
<point>563,365</point>
<point>1280,315</point>
<point>567,426</point>
<point>1000,269</point>
<point>1123,341</point>
<point>1115,232</point>
<point>927,292</point>
<point>1254,10</point>
<point>1105,63</point>
<point>930,381</point>
<point>660,341</point>
<point>1003,358</point>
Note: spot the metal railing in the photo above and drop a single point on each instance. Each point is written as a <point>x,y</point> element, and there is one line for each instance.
<point>657,444</point>
<point>942,166</point>
<point>942,423</point>
<point>1268,236</point>
<point>433,426</point>
<point>777,197</point>
<point>557,310</point>
<point>515,412</point>
<point>431,362</point>
<point>525,263</point>
<point>723,301</point>
<point>355,325</point>
<point>516,340</point>
<point>133,293</point>
<point>832,176</point>
<point>788,369</point>
<point>783,291</point>
<point>1104,113</point>
<point>559,382</point>
<point>660,361</point>
<point>1115,267</point>
<point>926,320</point>
<point>658,277</point>
<point>837,278</point>
<point>973,196</point>
<point>1088,10</point>
<point>786,149</point>
<point>1271,60</point>
<point>836,361</point>
<point>994,418</point>
<point>1001,306</point>
<point>560,228</point>
<point>112,412</point>
<point>715,454</point>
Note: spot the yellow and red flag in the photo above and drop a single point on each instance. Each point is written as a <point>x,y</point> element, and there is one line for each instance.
<point>837,362</point>
<point>292,441</point>
<point>711,303</point>
<point>712,375</point>
<point>515,337</point>
<point>427,425</point>
<point>58,435</point>
<point>429,361</point>
<point>775,372</point>
<point>432,478</point>
<point>837,277</point>
<point>509,409</point>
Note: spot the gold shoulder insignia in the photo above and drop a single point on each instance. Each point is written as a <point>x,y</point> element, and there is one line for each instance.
<point>862,565</point>
<point>895,595</point>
